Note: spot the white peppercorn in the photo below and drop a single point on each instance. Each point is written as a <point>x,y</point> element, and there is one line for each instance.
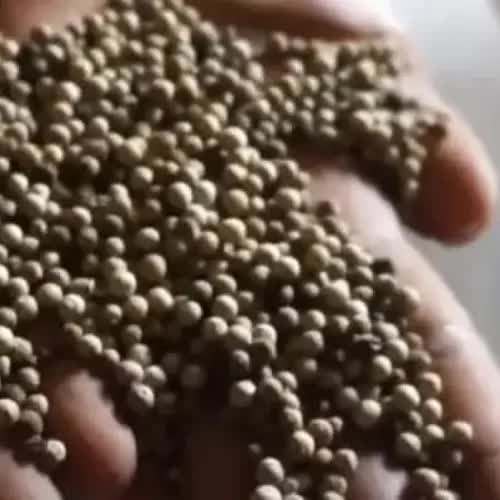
<point>301,445</point>
<point>140,353</point>
<point>140,398</point>
<point>408,445</point>
<point>460,433</point>
<point>368,413</point>
<point>242,393</point>
<point>406,397</point>
<point>6,340</point>
<point>89,346</point>
<point>129,371</point>
<point>29,378</point>
<point>37,403</point>
<point>9,413</point>
<point>270,471</point>
<point>155,377</point>
<point>346,461</point>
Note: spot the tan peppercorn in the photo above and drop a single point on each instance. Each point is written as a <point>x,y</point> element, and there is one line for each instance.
<point>180,242</point>
<point>346,461</point>
<point>9,413</point>
<point>29,378</point>
<point>301,445</point>
<point>140,398</point>
<point>460,433</point>
<point>406,397</point>
<point>426,480</point>
<point>129,371</point>
<point>408,445</point>
<point>37,403</point>
<point>368,413</point>
<point>54,453</point>
<point>322,431</point>
<point>242,393</point>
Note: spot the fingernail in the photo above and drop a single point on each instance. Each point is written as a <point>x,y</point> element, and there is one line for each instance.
<point>372,16</point>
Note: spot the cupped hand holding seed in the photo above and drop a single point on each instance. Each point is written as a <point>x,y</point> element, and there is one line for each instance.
<point>455,204</point>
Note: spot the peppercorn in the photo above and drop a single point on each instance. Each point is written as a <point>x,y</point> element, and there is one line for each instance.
<point>155,377</point>
<point>29,378</point>
<point>30,423</point>
<point>368,413</point>
<point>37,403</point>
<point>301,445</point>
<point>141,397</point>
<point>408,445</point>
<point>9,413</point>
<point>460,433</point>
<point>180,232</point>
<point>54,453</point>
<point>242,393</point>
<point>129,371</point>
<point>406,397</point>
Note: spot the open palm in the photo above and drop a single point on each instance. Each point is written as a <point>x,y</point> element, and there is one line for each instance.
<point>455,205</point>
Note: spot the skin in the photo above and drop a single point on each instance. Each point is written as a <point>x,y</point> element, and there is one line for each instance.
<point>456,204</point>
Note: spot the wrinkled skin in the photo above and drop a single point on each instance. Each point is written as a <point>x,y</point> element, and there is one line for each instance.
<point>455,205</point>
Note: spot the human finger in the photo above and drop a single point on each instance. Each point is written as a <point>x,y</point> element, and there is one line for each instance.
<point>460,355</point>
<point>102,456</point>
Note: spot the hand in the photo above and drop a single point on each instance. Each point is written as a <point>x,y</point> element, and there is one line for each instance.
<point>455,205</point>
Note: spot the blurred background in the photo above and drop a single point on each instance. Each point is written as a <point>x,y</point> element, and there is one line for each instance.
<point>461,41</point>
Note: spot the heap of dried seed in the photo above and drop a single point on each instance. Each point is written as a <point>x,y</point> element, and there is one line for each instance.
<point>150,207</point>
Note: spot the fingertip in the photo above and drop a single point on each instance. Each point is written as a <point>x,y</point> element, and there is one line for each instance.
<point>375,481</point>
<point>102,456</point>
<point>459,188</point>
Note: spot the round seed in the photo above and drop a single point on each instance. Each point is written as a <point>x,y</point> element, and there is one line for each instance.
<point>50,295</point>
<point>270,471</point>
<point>160,300</point>
<point>54,453</point>
<point>242,393</point>
<point>141,398</point>
<point>266,492</point>
<point>426,480</point>
<point>301,445</point>
<point>368,413</point>
<point>408,445</point>
<point>322,431</point>
<point>460,433</point>
<point>6,340</point>
<point>30,423</point>
<point>28,378</point>
<point>406,397</point>
<point>346,461</point>
<point>180,195</point>
<point>9,413</point>
<point>37,403</point>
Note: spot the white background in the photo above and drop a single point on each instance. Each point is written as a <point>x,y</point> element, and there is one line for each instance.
<point>461,42</point>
